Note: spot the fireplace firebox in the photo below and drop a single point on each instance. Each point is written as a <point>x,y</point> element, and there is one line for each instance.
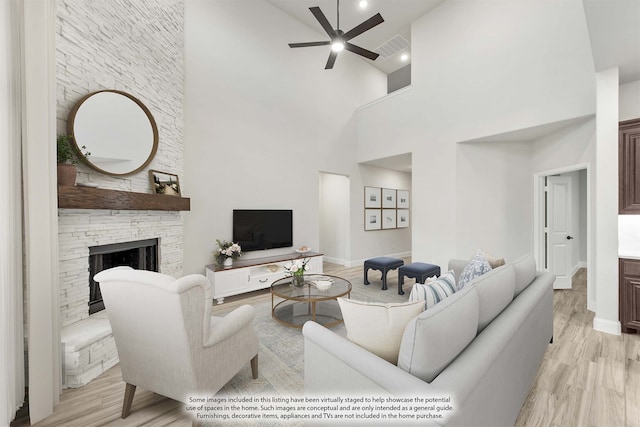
<point>140,254</point>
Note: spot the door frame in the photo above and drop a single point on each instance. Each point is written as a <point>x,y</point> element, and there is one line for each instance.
<point>538,223</point>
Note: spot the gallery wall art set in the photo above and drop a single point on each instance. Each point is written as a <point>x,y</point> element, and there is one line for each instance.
<point>385,208</point>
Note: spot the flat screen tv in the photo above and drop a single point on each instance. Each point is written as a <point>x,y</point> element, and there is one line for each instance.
<point>259,229</point>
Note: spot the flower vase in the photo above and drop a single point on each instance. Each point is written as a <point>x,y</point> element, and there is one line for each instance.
<point>228,262</point>
<point>297,280</point>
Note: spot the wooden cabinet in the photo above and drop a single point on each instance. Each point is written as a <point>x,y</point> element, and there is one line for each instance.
<point>629,294</point>
<point>629,166</point>
<point>254,274</point>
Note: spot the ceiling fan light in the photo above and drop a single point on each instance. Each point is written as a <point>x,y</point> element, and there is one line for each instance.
<point>337,46</point>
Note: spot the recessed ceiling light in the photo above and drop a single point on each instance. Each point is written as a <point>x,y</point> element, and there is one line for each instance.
<point>404,57</point>
<point>363,4</point>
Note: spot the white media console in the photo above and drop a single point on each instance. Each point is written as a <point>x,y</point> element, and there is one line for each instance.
<point>254,274</point>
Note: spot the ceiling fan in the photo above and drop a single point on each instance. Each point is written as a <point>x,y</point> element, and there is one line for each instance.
<point>340,39</point>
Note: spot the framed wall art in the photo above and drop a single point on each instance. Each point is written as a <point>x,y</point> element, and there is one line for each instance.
<point>372,219</point>
<point>372,197</point>
<point>388,198</point>
<point>403,199</point>
<point>403,218</point>
<point>164,183</point>
<point>388,219</point>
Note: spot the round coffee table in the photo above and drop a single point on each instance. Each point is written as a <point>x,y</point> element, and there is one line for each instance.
<point>300,304</point>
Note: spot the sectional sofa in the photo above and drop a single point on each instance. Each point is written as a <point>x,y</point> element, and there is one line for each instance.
<point>482,347</point>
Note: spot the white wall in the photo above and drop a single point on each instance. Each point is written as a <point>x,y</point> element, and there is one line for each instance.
<point>478,69</point>
<point>494,193</point>
<point>629,102</point>
<point>485,68</point>
<point>261,120</point>
<point>606,203</point>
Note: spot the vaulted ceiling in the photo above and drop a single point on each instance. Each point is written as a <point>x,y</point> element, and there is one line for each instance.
<point>397,14</point>
<point>614,28</point>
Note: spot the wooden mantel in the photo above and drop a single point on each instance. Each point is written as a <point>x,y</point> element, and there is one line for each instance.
<point>100,198</point>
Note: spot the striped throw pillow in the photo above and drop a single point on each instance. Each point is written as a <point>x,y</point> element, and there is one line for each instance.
<point>434,290</point>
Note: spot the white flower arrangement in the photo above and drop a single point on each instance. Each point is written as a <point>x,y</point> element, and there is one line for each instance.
<point>227,250</point>
<point>297,267</point>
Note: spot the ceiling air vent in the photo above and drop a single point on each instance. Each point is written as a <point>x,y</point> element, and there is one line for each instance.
<point>392,46</point>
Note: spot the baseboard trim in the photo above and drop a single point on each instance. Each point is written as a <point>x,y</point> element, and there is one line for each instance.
<point>561,287</point>
<point>607,326</point>
<point>338,261</point>
<point>579,265</point>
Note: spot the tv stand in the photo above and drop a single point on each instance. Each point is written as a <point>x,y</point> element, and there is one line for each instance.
<point>247,275</point>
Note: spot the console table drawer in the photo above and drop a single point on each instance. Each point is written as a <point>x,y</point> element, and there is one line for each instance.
<point>261,282</point>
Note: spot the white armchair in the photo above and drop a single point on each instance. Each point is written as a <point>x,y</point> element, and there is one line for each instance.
<point>168,342</point>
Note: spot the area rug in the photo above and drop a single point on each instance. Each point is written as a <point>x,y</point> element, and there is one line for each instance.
<point>281,352</point>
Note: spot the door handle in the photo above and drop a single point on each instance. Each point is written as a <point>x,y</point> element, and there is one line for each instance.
<point>569,237</point>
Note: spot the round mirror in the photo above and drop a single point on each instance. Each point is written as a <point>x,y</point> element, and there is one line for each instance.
<point>116,129</point>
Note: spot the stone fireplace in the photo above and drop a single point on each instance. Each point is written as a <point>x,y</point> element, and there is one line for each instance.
<point>141,255</point>
<point>150,66</point>
<point>89,348</point>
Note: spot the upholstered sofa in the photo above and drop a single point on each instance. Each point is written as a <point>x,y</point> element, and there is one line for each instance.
<point>482,347</point>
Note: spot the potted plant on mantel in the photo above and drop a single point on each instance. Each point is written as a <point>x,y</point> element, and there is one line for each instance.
<point>67,161</point>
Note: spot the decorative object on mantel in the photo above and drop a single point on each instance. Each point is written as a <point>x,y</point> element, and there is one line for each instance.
<point>164,183</point>
<point>296,269</point>
<point>227,252</point>
<point>67,171</point>
<point>303,249</point>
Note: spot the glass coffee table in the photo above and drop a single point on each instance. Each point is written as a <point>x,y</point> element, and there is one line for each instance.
<point>300,304</point>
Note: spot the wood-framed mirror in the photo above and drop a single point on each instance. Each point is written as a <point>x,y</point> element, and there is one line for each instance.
<point>117,129</point>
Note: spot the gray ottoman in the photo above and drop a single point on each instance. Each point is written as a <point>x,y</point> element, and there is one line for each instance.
<point>382,264</point>
<point>416,270</point>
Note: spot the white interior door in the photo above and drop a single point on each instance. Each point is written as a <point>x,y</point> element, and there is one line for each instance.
<point>559,230</point>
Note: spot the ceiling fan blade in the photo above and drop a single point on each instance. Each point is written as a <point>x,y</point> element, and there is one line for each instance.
<point>332,60</point>
<point>309,44</point>
<point>361,51</point>
<point>366,25</point>
<point>323,21</point>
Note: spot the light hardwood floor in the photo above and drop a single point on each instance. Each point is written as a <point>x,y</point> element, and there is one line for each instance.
<point>587,378</point>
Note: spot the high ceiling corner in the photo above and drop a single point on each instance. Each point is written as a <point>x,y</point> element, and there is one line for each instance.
<point>614,30</point>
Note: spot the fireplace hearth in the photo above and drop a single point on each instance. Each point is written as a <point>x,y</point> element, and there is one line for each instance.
<point>140,254</point>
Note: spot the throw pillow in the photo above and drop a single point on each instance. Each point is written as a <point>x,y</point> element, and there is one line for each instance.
<point>434,338</point>
<point>378,327</point>
<point>494,262</point>
<point>435,290</point>
<point>476,268</point>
